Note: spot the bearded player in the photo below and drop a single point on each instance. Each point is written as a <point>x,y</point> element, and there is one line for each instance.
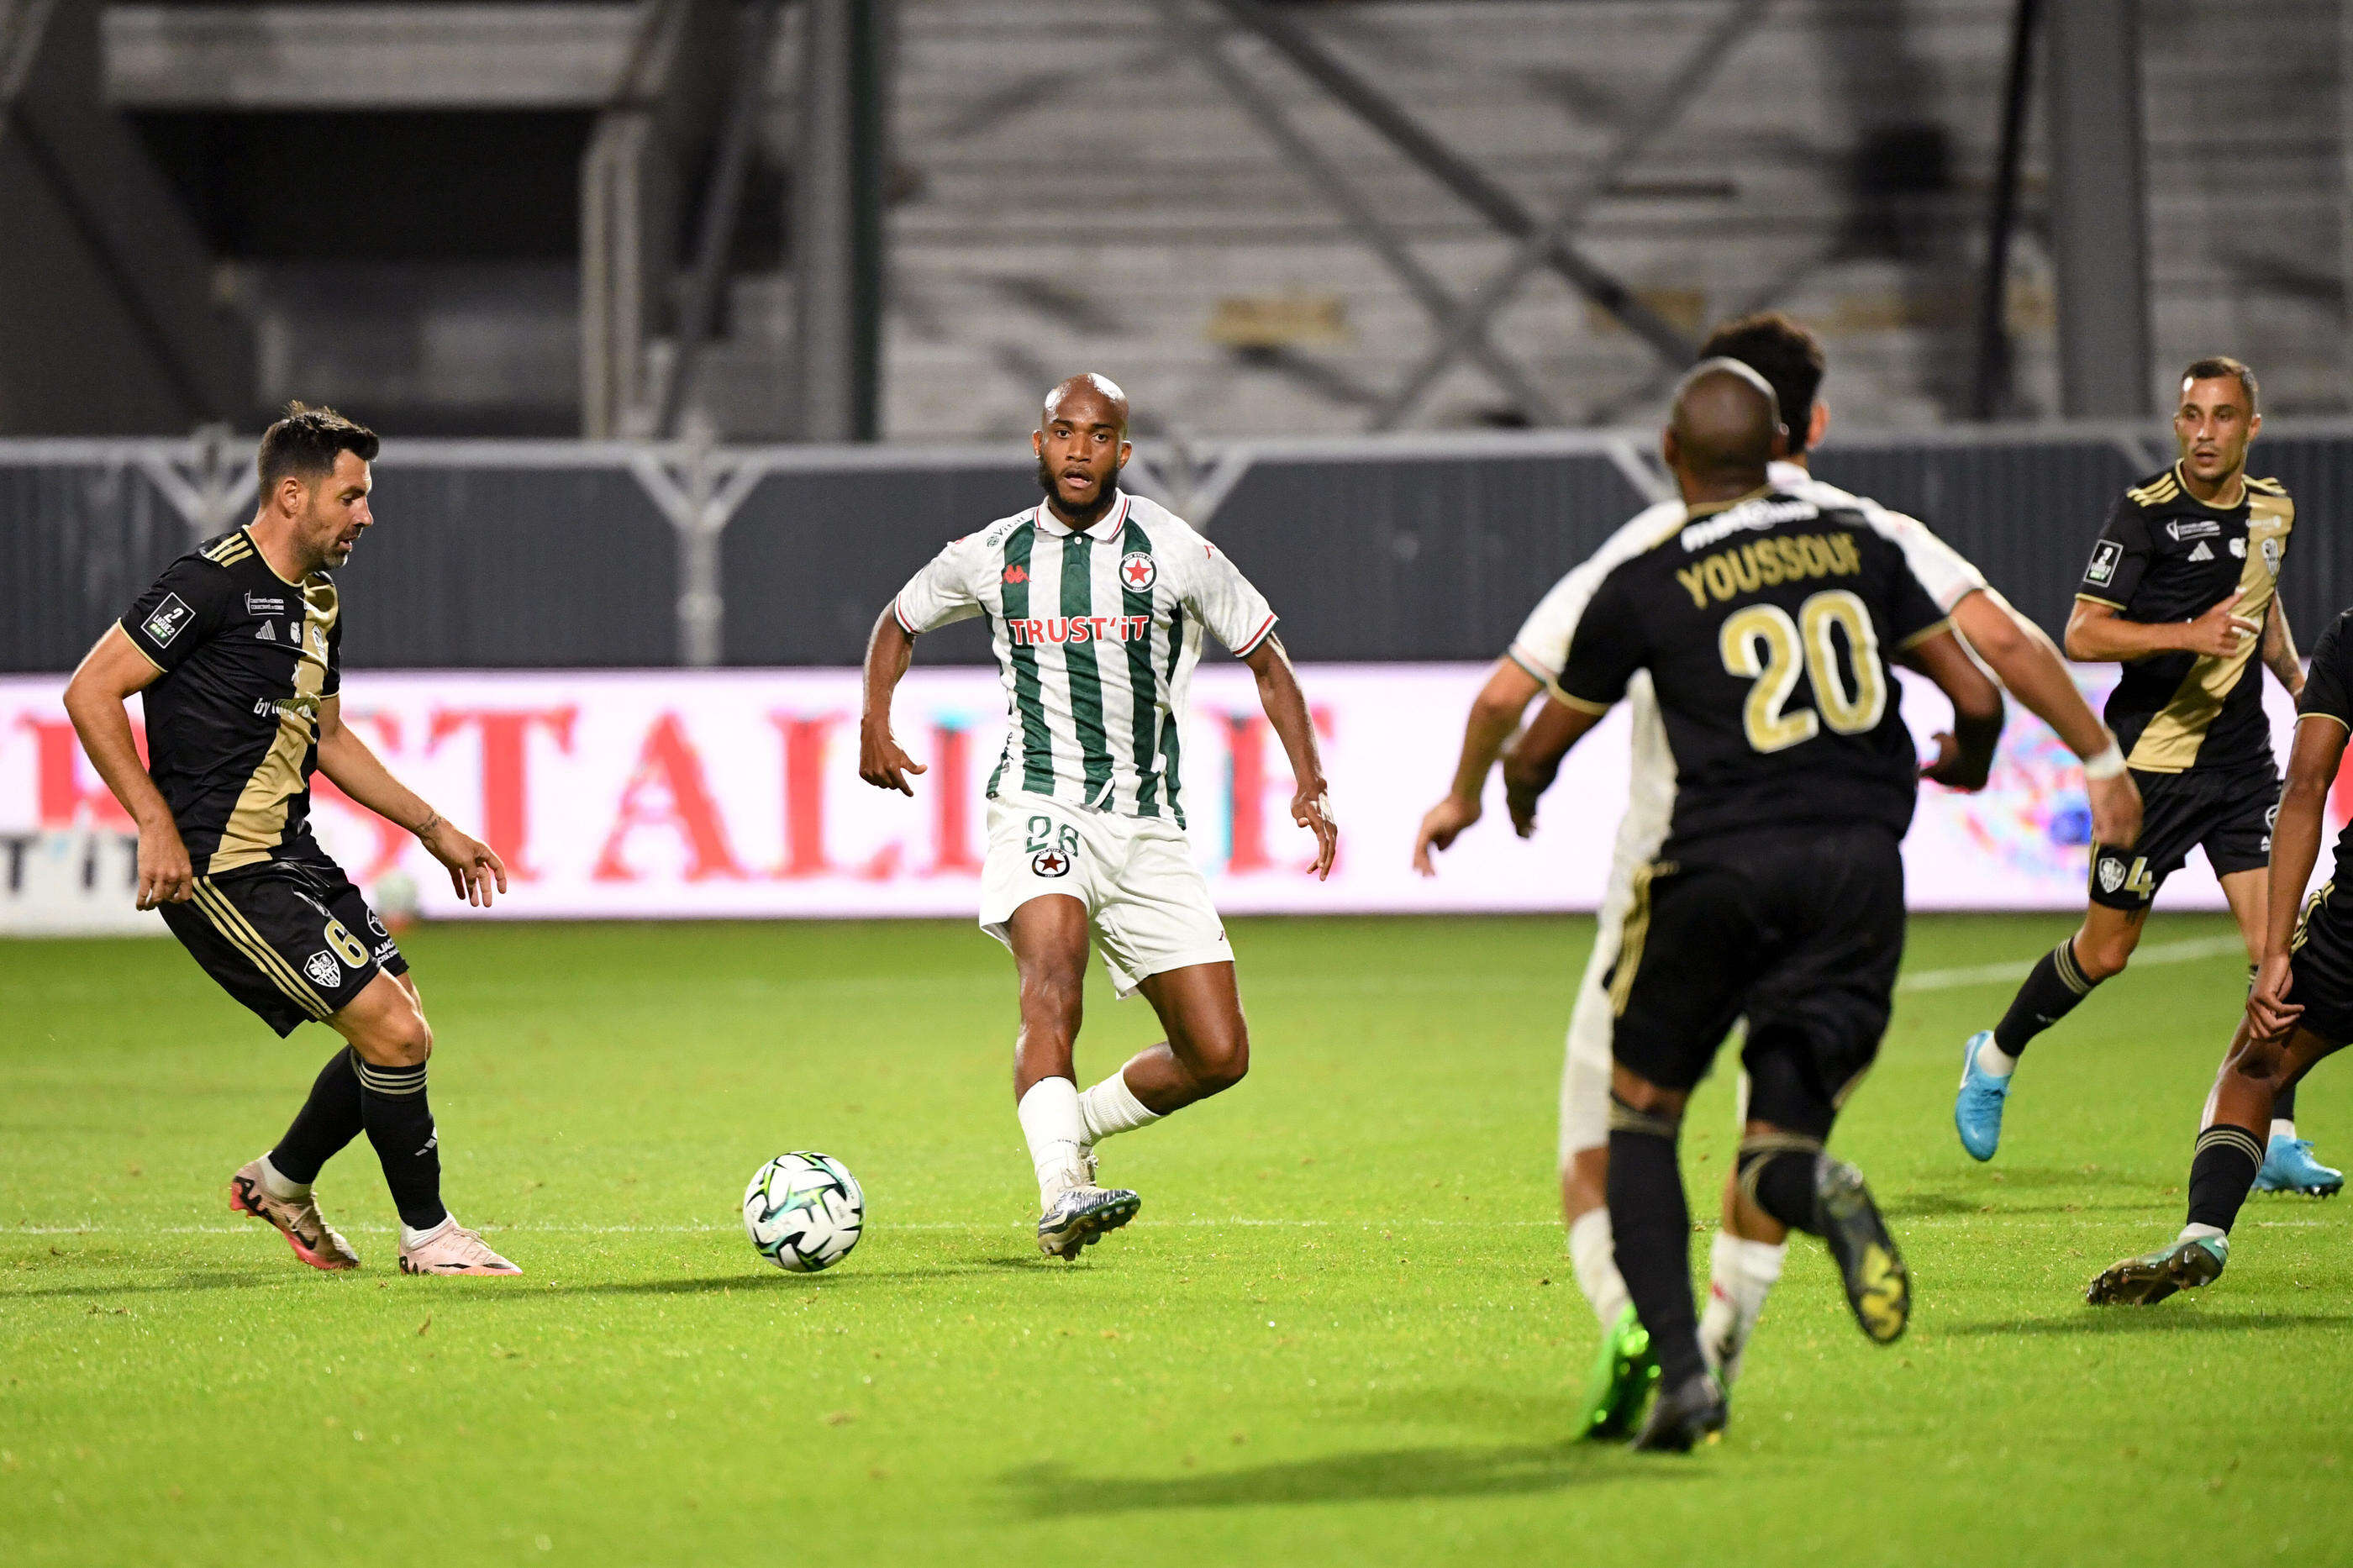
<point>1096,603</point>
<point>236,654</point>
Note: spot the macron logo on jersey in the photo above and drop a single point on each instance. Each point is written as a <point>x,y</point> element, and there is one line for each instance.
<point>1078,628</point>
<point>1747,515</point>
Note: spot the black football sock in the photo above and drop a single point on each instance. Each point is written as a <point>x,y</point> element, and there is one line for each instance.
<point>2221,1174</point>
<point>2048,994</point>
<point>1777,1175</point>
<point>2283,1104</point>
<point>328,1120</point>
<point>1650,1224</point>
<point>400,1125</point>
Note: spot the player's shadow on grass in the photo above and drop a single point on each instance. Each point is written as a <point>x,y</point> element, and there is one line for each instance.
<point>171,1287</point>
<point>2148,1321</point>
<point>773,1279</point>
<point>1055,1490</point>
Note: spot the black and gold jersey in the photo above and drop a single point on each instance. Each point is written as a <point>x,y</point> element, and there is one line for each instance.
<point>233,723</point>
<point>2328,694</point>
<point>2165,555</point>
<point>1766,626</point>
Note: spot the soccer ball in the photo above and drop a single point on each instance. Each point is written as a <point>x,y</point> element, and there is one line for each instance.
<point>804,1212</point>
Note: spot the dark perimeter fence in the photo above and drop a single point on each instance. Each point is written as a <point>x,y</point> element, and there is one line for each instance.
<point>566,554</point>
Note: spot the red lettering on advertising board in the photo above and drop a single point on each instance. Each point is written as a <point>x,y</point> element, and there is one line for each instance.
<point>1246,783</point>
<point>506,771</point>
<point>804,743</point>
<point>951,786</point>
<point>392,840</point>
<point>667,790</point>
<point>63,800</point>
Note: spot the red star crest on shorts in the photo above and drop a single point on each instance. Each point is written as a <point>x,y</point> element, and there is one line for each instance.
<point>1049,863</point>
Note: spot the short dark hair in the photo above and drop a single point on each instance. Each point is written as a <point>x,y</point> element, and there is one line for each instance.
<point>1789,357</point>
<point>304,444</point>
<point>2215,367</point>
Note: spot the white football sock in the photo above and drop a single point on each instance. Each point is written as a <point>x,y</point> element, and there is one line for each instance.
<point>2283,1127</point>
<point>2198,1232</point>
<point>1056,1135</point>
<point>277,1186</point>
<point>1741,1274</point>
<point>413,1239</point>
<point>1111,1106</point>
<point>1995,1062</point>
<point>1592,1254</point>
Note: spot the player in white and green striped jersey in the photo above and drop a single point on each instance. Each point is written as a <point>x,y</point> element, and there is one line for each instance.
<point>1097,601</point>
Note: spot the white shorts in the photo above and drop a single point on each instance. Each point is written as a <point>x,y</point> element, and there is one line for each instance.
<point>1147,900</point>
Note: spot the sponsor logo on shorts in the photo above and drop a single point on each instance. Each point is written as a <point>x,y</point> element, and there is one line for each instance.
<point>1138,571</point>
<point>376,924</point>
<point>169,618</point>
<point>2104,556</point>
<point>1049,863</point>
<point>2194,528</point>
<point>386,949</point>
<point>321,967</point>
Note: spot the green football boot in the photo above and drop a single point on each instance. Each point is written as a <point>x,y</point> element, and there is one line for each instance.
<point>1623,1376</point>
<point>2188,1263</point>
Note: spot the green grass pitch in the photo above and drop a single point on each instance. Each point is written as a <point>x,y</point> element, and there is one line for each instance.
<point>1343,1330</point>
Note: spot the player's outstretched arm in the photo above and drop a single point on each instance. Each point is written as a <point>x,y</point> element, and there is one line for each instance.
<point>1965,757</point>
<point>473,865</point>
<point>881,763</point>
<point>2024,660</point>
<point>1495,714</point>
<point>1286,709</point>
<point>1533,760</point>
<point>110,673</point>
<point>2295,846</point>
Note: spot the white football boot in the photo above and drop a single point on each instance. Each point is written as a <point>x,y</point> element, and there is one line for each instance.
<point>451,1248</point>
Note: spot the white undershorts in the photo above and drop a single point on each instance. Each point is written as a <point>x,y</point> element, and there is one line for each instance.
<point>1147,900</point>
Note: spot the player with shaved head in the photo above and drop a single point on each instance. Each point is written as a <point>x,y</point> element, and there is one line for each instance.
<point>1096,602</point>
<point>1764,617</point>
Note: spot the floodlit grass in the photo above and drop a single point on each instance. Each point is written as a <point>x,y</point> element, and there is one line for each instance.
<point>1342,1329</point>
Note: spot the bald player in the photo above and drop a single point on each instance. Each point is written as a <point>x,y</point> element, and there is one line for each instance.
<point>1096,603</point>
<point>1765,620</point>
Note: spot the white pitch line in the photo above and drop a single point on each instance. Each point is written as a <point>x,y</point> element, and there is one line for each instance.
<point>2188,951</point>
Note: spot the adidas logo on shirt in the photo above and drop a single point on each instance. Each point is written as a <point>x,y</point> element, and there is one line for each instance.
<point>2204,551</point>
<point>268,632</point>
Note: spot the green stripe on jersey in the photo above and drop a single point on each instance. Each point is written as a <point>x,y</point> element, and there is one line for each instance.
<point>1142,687</point>
<point>1086,674</point>
<point>1036,744</point>
<point>1170,774</point>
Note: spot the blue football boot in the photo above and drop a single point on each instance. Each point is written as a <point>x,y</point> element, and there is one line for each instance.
<point>2289,1167</point>
<point>1977,1110</point>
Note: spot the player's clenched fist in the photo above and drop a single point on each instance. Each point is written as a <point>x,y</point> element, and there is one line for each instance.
<point>882,763</point>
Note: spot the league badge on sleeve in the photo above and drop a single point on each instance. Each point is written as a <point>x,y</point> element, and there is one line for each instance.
<point>170,616</point>
<point>1138,572</point>
<point>2104,556</point>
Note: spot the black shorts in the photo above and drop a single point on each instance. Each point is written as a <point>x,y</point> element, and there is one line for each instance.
<point>1800,931</point>
<point>2228,815</point>
<point>293,939</point>
<point>2321,967</point>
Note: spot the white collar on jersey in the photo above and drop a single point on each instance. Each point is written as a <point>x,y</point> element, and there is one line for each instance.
<point>1782,474</point>
<point>1105,528</point>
